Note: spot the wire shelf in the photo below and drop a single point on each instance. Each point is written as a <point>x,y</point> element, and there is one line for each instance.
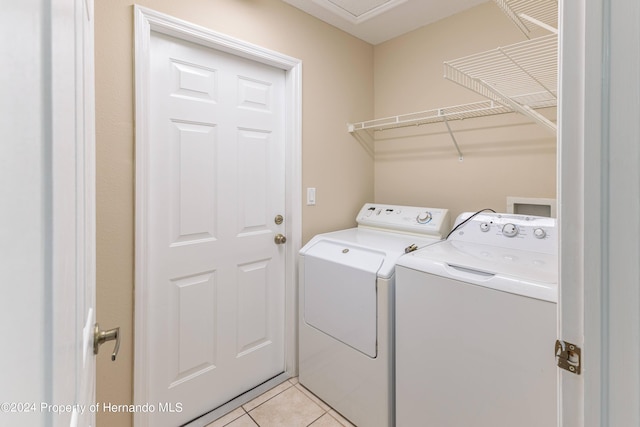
<point>436,115</point>
<point>523,75</point>
<point>518,78</point>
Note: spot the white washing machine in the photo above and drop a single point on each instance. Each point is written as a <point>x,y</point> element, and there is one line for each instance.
<point>346,308</point>
<point>476,326</point>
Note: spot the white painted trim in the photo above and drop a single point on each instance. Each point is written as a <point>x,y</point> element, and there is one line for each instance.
<point>599,182</point>
<point>293,205</point>
<point>146,21</point>
<point>618,152</point>
<point>595,206</point>
<point>142,60</point>
<point>571,135</point>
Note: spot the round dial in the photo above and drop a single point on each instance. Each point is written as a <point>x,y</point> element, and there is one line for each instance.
<point>539,233</point>
<point>423,217</point>
<point>510,230</point>
<point>484,227</point>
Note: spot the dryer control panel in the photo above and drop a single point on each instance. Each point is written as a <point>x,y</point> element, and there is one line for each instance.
<point>407,219</point>
<point>524,232</point>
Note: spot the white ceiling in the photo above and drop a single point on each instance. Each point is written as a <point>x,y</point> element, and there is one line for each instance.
<point>376,21</point>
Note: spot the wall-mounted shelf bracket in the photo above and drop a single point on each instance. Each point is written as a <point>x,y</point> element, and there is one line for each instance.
<point>453,138</point>
<point>523,13</point>
<point>522,109</point>
<point>538,23</point>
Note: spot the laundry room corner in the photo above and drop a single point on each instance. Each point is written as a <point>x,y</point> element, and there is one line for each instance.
<point>502,155</point>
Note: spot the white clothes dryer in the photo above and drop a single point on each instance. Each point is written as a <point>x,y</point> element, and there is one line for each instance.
<point>347,308</point>
<point>476,326</point>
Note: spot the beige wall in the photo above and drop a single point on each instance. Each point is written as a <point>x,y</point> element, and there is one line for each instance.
<point>504,155</point>
<point>337,86</point>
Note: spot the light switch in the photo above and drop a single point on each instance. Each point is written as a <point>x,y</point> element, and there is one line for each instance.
<point>311,196</point>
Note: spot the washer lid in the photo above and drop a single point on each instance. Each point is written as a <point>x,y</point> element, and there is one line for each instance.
<point>520,272</point>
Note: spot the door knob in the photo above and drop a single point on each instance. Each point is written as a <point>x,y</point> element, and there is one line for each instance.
<point>100,337</point>
<point>280,239</point>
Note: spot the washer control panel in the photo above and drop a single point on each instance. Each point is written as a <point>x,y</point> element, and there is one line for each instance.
<point>524,232</point>
<point>408,219</point>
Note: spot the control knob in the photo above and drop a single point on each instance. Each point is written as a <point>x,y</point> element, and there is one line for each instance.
<point>484,227</point>
<point>539,233</point>
<point>424,217</point>
<point>510,230</point>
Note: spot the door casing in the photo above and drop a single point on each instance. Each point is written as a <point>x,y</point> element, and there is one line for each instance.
<point>599,183</point>
<point>146,21</point>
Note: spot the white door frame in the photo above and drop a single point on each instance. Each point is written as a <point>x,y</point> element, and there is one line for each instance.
<point>599,183</point>
<point>147,21</point>
<point>571,193</point>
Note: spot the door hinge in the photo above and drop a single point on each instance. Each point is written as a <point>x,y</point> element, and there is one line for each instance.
<point>568,356</point>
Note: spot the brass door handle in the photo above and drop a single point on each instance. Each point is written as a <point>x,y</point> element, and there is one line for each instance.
<point>100,337</point>
<point>280,239</point>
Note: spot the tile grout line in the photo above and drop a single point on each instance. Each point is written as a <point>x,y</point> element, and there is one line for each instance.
<point>257,406</point>
<point>299,387</point>
<point>324,411</point>
<point>323,414</point>
<point>262,403</point>
<point>253,419</point>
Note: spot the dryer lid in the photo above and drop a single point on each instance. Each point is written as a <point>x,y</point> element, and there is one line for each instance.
<point>344,253</point>
<point>340,293</point>
<point>364,245</point>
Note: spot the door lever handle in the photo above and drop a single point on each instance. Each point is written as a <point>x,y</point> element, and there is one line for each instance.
<point>100,337</point>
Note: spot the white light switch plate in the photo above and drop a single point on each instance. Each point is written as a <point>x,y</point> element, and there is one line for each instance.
<point>311,196</point>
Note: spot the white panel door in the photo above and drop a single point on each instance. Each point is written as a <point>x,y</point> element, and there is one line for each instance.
<point>84,413</point>
<point>73,273</point>
<point>216,183</point>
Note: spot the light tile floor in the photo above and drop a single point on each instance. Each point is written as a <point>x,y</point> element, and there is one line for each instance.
<point>286,405</point>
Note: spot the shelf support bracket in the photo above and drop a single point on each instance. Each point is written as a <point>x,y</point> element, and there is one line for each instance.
<point>365,139</point>
<point>446,122</point>
<point>521,68</point>
<point>538,23</point>
<point>522,109</point>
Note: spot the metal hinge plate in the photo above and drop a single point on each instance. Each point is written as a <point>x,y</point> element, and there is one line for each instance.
<point>568,356</point>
